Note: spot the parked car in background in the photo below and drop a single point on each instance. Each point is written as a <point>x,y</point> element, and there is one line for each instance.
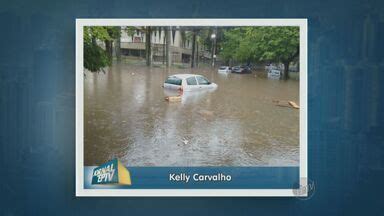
<point>273,73</point>
<point>247,69</point>
<point>188,82</point>
<point>271,66</point>
<point>224,69</point>
<point>241,69</point>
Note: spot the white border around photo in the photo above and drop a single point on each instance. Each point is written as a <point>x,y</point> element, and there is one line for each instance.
<point>80,191</point>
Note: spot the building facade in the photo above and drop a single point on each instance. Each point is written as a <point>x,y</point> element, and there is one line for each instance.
<point>180,47</point>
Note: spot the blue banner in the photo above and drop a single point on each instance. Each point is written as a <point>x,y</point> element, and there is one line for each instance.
<point>203,178</point>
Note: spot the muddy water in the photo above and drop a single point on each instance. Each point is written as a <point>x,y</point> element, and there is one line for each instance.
<point>238,124</point>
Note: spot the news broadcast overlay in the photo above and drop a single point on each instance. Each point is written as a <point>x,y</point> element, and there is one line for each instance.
<point>191,107</point>
<point>113,175</point>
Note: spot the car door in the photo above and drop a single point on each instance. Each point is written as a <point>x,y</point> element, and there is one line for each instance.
<point>192,83</point>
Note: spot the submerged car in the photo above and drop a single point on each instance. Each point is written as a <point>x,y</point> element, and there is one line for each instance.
<point>188,82</point>
<point>241,69</point>
<point>224,69</point>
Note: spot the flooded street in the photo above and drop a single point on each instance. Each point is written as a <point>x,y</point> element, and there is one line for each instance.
<point>238,124</point>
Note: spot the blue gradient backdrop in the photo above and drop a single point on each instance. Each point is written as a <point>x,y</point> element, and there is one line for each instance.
<point>346,101</point>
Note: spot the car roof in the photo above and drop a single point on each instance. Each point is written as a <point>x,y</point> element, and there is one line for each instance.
<point>184,76</point>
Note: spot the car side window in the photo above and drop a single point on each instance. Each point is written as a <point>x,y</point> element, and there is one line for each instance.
<point>173,80</point>
<point>202,80</point>
<point>191,81</point>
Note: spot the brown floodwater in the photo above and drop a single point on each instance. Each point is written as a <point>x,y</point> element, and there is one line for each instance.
<point>238,124</point>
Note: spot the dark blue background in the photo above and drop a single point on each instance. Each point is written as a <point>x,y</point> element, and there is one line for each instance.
<point>346,98</point>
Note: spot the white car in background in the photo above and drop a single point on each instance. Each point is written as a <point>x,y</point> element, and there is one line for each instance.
<point>188,82</point>
<point>224,69</point>
<point>273,73</point>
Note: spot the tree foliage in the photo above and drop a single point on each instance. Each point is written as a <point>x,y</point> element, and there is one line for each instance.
<point>279,44</point>
<point>261,44</point>
<point>95,57</point>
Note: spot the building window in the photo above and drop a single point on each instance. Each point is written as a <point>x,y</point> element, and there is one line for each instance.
<point>137,40</point>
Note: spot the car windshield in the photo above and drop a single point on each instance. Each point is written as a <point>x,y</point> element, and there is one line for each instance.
<point>173,80</point>
<point>223,68</point>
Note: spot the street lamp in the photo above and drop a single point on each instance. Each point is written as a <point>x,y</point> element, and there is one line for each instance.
<point>213,37</point>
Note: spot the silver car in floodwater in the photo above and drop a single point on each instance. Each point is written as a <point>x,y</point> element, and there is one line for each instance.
<point>188,82</point>
<point>224,69</point>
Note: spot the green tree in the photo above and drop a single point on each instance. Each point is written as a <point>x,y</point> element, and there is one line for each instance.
<point>114,33</point>
<point>264,43</point>
<point>96,58</point>
<point>277,43</point>
<point>231,46</point>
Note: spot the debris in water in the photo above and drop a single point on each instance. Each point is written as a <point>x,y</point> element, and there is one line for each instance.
<point>293,104</point>
<point>185,141</point>
<point>289,104</point>
<point>173,98</point>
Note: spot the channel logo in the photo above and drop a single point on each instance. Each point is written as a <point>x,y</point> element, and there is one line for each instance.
<point>112,172</point>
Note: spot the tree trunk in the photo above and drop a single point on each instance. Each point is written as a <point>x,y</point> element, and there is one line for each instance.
<point>108,48</point>
<point>193,49</point>
<point>286,71</point>
<point>164,45</point>
<point>298,66</point>
<point>94,41</point>
<point>197,54</point>
<point>118,49</point>
<point>168,47</point>
<point>148,53</point>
